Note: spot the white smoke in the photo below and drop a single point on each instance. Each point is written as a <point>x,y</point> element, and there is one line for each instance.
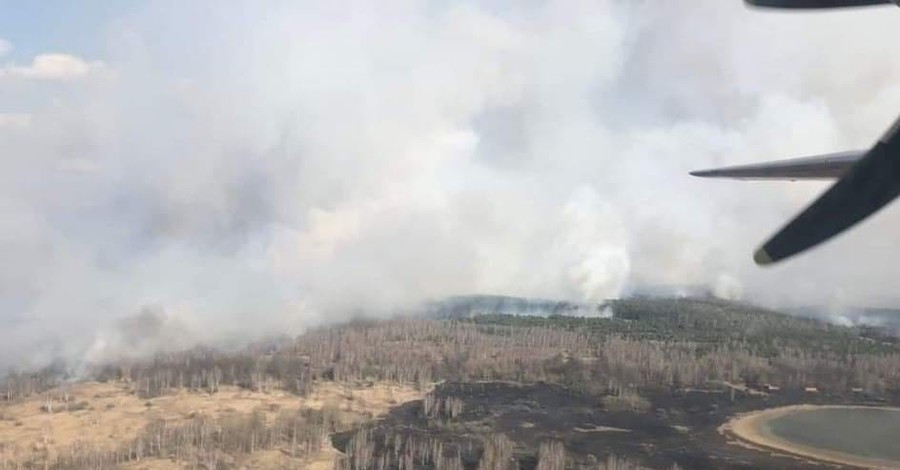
<point>267,166</point>
<point>727,287</point>
<point>153,329</point>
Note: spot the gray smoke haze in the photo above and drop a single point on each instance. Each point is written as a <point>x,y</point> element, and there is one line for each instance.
<point>240,168</point>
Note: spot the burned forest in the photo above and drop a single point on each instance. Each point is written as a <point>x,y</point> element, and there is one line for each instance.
<point>645,387</point>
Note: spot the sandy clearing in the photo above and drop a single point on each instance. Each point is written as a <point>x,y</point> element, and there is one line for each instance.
<point>598,428</point>
<point>113,415</point>
<point>748,427</point>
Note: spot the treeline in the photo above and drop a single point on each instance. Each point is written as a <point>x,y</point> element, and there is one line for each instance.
<point>469,306</point>
<point>421,351</point>
<point>705,342</point>
<point>17,385</point>
<point>206,370</point>
<point>413,351</point>
<point>648,344</point>
<point>711,321</point>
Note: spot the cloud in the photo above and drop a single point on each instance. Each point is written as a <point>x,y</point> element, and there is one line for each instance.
<point>269,169</point>
<point>52,67</point>
<point>5,47</point>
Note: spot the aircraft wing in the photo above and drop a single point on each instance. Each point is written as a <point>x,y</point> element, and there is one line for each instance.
<point>868,181</point>
<point>800,4</point>
<point>829,166</point>
<point>866,187</point>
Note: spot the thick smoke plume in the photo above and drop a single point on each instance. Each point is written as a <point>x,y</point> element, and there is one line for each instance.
<point>238,168</point>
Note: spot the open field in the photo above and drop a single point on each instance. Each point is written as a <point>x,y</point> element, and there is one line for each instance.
<point>106,416</point>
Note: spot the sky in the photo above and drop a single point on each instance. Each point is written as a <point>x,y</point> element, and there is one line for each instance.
<point>235,169</point>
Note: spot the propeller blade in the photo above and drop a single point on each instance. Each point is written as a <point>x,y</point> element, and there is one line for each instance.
<point>799,4</point>
<point>867,186</point>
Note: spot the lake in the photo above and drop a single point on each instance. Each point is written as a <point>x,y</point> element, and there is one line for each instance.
<point>870,433</point>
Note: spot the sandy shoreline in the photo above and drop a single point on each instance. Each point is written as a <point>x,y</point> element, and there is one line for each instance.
<point>748,427</point>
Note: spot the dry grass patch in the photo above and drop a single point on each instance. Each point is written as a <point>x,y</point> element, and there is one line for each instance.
<point>107,415</point>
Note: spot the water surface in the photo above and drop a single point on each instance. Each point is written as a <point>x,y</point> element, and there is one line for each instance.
<point>872,433</point>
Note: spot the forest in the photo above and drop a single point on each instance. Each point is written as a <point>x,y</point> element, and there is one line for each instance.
<point>648,346</point>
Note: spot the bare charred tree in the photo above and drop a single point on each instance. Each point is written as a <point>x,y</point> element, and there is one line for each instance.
<point>498,453</point>
<point>551,456</point>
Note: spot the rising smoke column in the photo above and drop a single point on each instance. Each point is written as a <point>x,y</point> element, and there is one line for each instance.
<point>267,167</point>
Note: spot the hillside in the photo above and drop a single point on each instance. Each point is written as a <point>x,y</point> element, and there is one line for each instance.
<point>654,369</point>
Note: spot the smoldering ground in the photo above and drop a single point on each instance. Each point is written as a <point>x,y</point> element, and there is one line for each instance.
<point>252,167</point>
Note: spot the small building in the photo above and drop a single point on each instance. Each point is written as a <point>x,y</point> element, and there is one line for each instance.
<point>771,388</point>
<point>857,390</point>
<point>811,390</point>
